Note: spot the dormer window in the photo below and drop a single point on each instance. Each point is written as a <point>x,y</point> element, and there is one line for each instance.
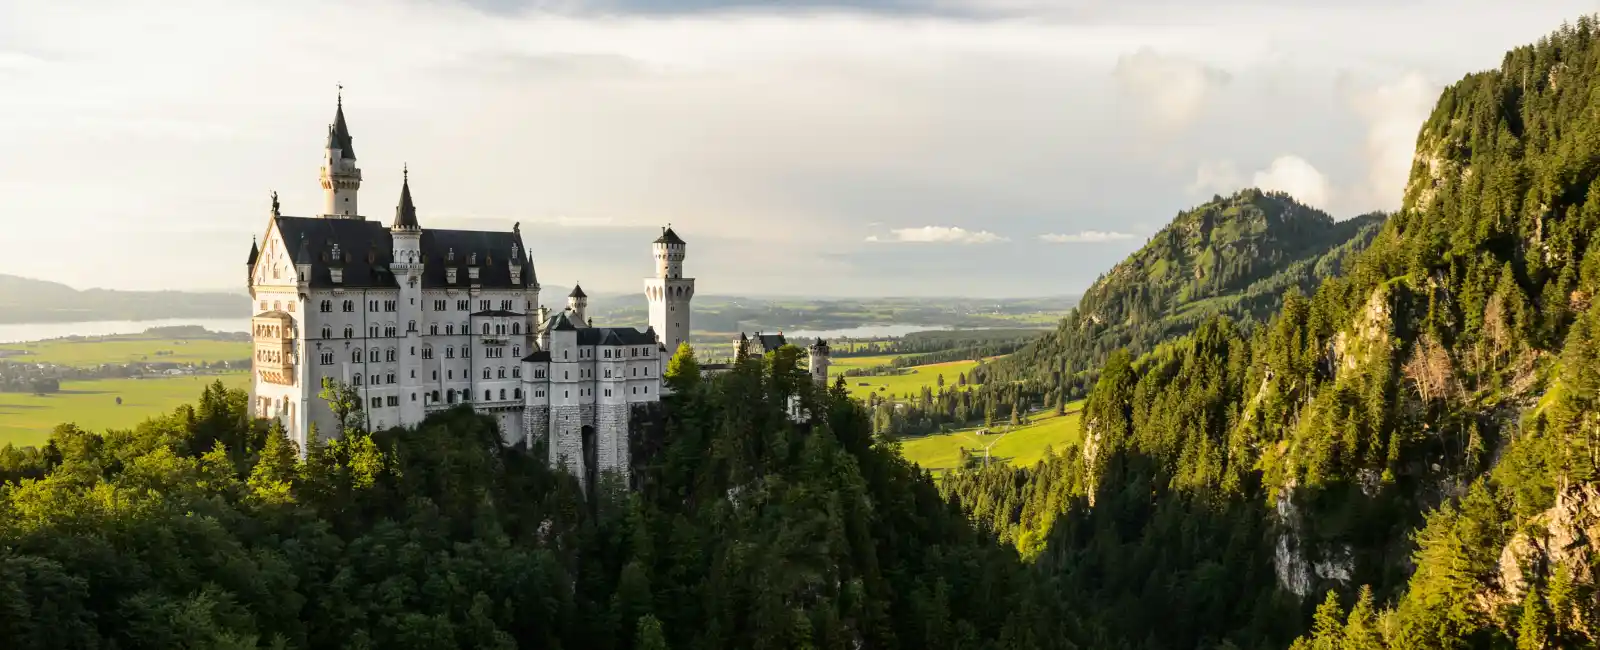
<point>450,275</point>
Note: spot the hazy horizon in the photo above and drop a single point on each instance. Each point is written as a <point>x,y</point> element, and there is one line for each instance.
<point>995,148</point>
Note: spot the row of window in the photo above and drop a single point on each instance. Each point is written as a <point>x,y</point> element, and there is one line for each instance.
<point>349,306</point>
<point>433,329</point>
<point>452,395</point>
<point>278,306</point>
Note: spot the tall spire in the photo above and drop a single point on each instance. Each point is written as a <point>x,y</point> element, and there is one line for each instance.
<point>339,132</point>
<point>405,214</point>
<point>341,179</point>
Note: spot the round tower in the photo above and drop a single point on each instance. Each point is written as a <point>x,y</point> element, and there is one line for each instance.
<point>669,293</point>
<point>578,302</point>
<point>341,179</point>
<point>817,361</point>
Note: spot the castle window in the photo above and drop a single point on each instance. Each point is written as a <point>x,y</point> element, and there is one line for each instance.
<point>466,352</point>
<point>502,372</point>
<point>413,373</point>
<point>436,375</point>
<point>483,305</point>
<point>388,378</point>
<point>563,354</point>
<point>487,395</point>
<point>438,305</point>
<point>450,396</point>
<point>538,393</point>
<point>450,352</point>
<point>390,355</point>
<point>427,352</point>
<point>565,394</point>
<point>388,331</point>
<point>485,373</point>
<point>516,372</point>
<point>276,305</point>
<point>647,390</point>
<point>538,373</point>
<point>502,393</point>
<point>377,402</point>
<point>465,328</point>
<point>436,397</point>
<point>647,371</point>
<point>516,393</point>
<point>636,372</point>
<point>608,373</point>
<point>372,305</point>
<point>485,328</point>
<point>635,391</point>
<point>413,350</point>
<point>449,329</point>
<point>451,374</point>
<point>375,380</point>
<point>327,332</point>
<point>326,306</point>
<point>373,355</point>
<point>388,305</point>
<point>413,397</point>
<point>505,305</point>
<point>608,354</point>
<point>516,329</point>
<point>372,331</point>
<point>355,380</point>
<point>349,331</point>
<point>565,375</point>
<point>263,306</point>
<point>461,305</point>
<point>349,305</point>
<point>516,351</point>
<point>411,326</point>
<point>394,400</point>
<point>327,358</point>
<point>433,329</point>
<point>355,355</point>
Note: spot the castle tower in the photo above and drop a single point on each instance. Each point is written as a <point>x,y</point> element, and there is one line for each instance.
<point>407,264</point>
<point>669,292</point>
<point>817,361</point>
<point>340,177</point>
<point>577,302</point>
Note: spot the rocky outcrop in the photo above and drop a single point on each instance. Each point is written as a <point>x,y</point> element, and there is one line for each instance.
<point>1563,536</point>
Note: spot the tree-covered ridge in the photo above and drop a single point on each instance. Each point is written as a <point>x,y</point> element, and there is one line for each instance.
<point>1420,438</point>
<point>1232,256</point>
<point>204,529</point>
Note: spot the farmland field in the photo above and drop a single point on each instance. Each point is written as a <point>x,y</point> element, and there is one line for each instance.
<point>27,419</point>
<point>1022,447</point>
<point>911,383</point>
<point>124,349</point>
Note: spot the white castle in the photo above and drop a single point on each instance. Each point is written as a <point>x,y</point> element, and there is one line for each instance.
<point>420,320</point>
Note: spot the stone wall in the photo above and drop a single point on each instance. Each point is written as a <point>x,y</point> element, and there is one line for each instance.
<point>611,434</point>
<point>565,429</point>
<point>535,424</point>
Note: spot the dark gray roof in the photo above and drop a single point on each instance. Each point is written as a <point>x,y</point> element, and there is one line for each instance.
<point>339,134</point>
<point>405,214</point>
<point>669,237</point>
<point>255,252</point>
<point>497,312</point>
<point>577,292</point>
<point>542,355</point>
<point>559,322</point>
<point>367,248</point>
<point>768,342</point>
<point>614,336</point>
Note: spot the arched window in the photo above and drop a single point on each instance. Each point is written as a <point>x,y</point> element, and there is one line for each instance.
<point>516,371</point>
<point>349,331</point>
<point>516,351</point>
<point>516,328</point>
<point>449,352</point>
<point>427,352</point>
<point>486,373</point>
<point>485,328</point>
<point>433,329</point>
<point>355,355</point>
<point>372,355</point>
<point>349,305</point>
<point>465,328</point>
<point>390,355</point>
<point>326,306</point>
<point>372,331</point>
<point>487,395</point>
<point>356,379</point>
<point>502,393</point>
<point>411,326</point>
<point>327,331</point>
<point>450,396</point>
<point>449,328</point>
<point>516,394</point>
<point>436,397</point>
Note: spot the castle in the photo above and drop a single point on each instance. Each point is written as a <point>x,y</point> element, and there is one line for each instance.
<point>418,320</point>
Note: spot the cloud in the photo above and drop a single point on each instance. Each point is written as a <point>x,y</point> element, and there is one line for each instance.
<point>1286,173</point>
<point>1392,112</point>
<point>1085,237</point>
<point>1172,90</point>
<point>938,235</point>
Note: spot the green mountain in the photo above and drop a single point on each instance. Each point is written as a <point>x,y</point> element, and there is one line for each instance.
<point>25,300</point>
<point>1233,256</point>
<point>1410,458</point>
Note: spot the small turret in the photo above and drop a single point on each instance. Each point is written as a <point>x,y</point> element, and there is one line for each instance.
<point>578,301</point>
<point>817,361</point>
<point>341,179</point>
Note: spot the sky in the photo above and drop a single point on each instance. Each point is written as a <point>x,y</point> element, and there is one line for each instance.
<point>998,148</point>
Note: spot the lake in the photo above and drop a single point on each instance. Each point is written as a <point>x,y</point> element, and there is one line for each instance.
<point>15,333</point>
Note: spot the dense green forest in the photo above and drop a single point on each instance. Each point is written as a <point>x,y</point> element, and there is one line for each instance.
<point>1407,457</point>
<point>1233,256</point>
<point>203,529</point>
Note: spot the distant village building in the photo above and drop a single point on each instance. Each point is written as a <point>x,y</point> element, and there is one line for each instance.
<point>418,320</point>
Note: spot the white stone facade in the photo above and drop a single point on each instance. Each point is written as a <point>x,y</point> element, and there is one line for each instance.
<point>418,321</point>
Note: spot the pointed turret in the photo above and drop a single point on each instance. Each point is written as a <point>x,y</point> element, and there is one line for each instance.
<point>341,179</point>
<point>405,214</point>
<point>255,252</point>
<point>578,302</point>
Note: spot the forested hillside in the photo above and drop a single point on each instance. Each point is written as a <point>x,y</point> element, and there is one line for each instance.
<point>1232,256</point>
<point>1418,440</point>
<point>203,530</point>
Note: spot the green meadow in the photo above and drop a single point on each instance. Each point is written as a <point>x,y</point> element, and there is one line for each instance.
<point>27,419</point>
<point>124,349</point>
<point>910,383</point>
<point>1022,446</point>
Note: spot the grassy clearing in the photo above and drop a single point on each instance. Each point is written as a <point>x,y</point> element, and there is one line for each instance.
<point>897,387</point>
<point>28,419</point>
<point>124,349</point>
<point>1022,447</point>
<point>837,365</point>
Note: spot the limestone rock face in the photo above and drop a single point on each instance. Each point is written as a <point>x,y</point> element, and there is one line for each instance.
<point>1564,536</point>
